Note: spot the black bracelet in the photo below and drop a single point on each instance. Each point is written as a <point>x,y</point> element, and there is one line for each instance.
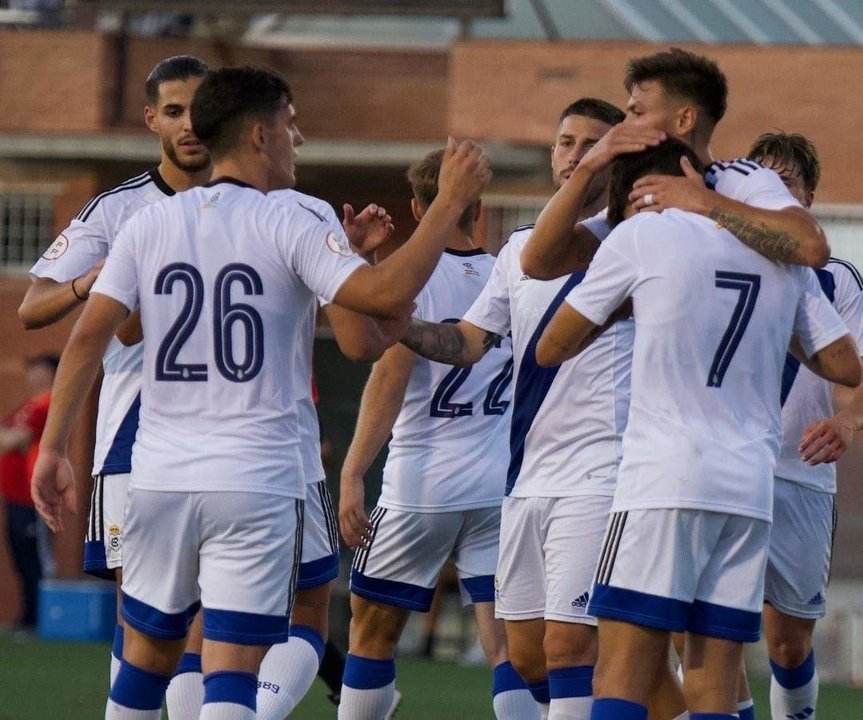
<point>75,292</point>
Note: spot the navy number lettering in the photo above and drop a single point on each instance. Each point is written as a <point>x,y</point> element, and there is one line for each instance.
<point>747,287</point>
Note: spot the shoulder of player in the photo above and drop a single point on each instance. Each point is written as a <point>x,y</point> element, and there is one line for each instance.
<point>301,203</point>
<point>738,169</point>
<point>114,201</point>
<point>517,239</point>
<point>840,268</point>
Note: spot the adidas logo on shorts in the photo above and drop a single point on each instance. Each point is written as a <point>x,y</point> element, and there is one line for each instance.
<point>817,600</point>
<point>802,715</point>
<point>581,600</point>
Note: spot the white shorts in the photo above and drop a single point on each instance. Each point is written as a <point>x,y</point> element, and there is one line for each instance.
<point>103,545</point>
<point>684,570</point>
<point>402,564</point>
<point>320,563</point>
<point>552,544</point>
<point>236,554</point>
<point>801,545</point>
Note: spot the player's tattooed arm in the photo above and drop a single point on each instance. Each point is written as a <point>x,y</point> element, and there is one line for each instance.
<point>773,244</point>
<point>452,343</point>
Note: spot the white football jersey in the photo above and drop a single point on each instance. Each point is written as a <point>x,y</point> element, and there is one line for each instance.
<point>225,279</point>
<point>86,241</point>
<point>309,428</point>
<point>567,421</point>
<point>713,320</point>
<point>807,397</point>
<point>449,448</point>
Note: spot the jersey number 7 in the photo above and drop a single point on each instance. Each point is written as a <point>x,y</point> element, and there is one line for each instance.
<point>747,286</point>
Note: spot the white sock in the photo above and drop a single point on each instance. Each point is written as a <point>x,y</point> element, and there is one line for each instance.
<point>113,711</point>
<point>570,708</point>
<point>515,705</point>
<point>115,668</point>
<point>226,711</point>
<point>795,702</point>
<point>544,709</point>
<point>185,696</point>
<point>287,672</point>
<point>372,704</point>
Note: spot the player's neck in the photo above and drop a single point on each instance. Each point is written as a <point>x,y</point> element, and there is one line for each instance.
<point>250,173</point>
<point>179,180</point>
<point>460,241</point>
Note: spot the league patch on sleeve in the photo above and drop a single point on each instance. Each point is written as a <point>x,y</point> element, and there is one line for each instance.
<point>57,248</point>
<point>339,245</point>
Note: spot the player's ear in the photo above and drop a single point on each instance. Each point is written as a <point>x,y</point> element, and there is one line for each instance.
<point>416,210</point>
<point>687,117</point>
<point>258,136</point>
<point>150,118</point>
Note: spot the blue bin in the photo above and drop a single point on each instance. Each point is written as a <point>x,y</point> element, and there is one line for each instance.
<point>77,610</point>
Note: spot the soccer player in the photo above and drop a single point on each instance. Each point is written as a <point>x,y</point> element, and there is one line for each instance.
<point>442,483</point>
<point>677,94</point>
<point>217,453</point>
<point>564,444</point>
<point>687,542</point>
<point>798,565</point>
<point>62,279</point>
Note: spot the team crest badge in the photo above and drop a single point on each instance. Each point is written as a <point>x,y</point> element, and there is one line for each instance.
<point>213,201</point>
<point>339,245</point>
<point>115,540</point>
<point>470,269</point>
<point>57,248</point>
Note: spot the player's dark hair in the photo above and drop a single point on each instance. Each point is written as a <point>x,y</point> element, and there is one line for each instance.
<point>779,148</point>
<point>229,97</point>
<point>685,75</point>
<point>595,109</point>
<point>48,360</point>
<point>179,67</point>
<point>663,159</point>
<point>423,176</point>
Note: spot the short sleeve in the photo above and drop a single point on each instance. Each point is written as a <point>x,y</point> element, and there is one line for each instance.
<point>598,225</point>
<point>491,311</point>
<point>611,278</point>
<point>75,251</point>
<point>849,298</point>
<point>750,183</point>
<point>320,254</point>
<point>118,278</point>
<point>816,322</point>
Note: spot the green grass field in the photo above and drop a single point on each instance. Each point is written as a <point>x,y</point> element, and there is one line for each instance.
<point>54,681</point>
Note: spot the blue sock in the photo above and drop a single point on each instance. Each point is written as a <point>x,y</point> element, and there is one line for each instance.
<point>711,716</point>
<point>615,709</point>
<point>117,646</point>
<point>746,710</point>
<point>794,677</point>
<point>540,692</point>
<point>365,674</point>
<point>571,682</point>
<point>138,689</point>
<point>225,686</point>
<point>311,636</point>
<point>190,662</point>
<point>505,678</point>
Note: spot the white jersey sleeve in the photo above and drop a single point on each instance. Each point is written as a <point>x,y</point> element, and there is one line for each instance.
<point>610,279</point>
<point>598,225</point>
<point>491,310</point>
<point>816,323</point>
<point>119,276</point>
<point>849,297</point>
<point>748,182</point>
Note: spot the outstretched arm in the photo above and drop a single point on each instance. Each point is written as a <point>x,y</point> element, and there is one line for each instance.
<point>53,486</point>
<point>380,405</point>
<point>460,343</point>
<point>564,338</point>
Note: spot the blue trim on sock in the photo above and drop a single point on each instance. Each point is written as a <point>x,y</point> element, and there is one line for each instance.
<point>392,592</point>
<point>239,688</point>
<point>576,681</point>
<point>155,623</point>
<point>480,588</point>
<point>615,709</point>
<point>244,628</point>
<point>189,663</point>
<point>505,678</point>
<point>311,636</point>
<point>711,716</point>
<point>724,622</point>
<point>318,572</point>
<point>117,645</point>
<point>638,608</point>
<point>747,713</point>
<point>138,689</point>
<point>791,678</point>
<point>367,674</point>
<point>540,692</point>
